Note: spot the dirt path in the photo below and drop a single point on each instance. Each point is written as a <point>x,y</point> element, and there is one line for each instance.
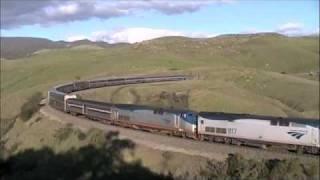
<point>168,143</point>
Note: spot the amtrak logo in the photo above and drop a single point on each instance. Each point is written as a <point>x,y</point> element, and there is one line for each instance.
<point>297,134</point>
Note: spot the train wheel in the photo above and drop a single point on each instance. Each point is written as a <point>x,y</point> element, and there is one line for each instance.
<point>236,142</point>
<point>228,141</point>
<point>183,134</point>
<point>201,138</point>
<point>263,146</point>
<point>313,150</point>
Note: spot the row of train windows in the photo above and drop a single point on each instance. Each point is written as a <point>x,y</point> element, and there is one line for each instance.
<point>285,123</point>
<point>216,130</point>
<point>158,111</point>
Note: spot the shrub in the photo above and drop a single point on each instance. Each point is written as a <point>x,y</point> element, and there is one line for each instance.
<point>31,106</point>
<point>237,167</point>
<point>81,135</point>
<point>312,171</point>
<point>86,162</point>
<point>77,78</point>
<point>78,96</point>
<point>241,168</point>
<point>14,147</point>
<point>214,170</point>
<point>167,156</point>
<point>63,133</point>
<point>38,119</point>
<point>97,136</point>
<point>6,125</point>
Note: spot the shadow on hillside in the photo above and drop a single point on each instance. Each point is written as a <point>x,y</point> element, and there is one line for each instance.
<point>89,162</point>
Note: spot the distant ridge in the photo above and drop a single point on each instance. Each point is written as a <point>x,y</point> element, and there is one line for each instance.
<point>18,47</point>
<point>252,34</point>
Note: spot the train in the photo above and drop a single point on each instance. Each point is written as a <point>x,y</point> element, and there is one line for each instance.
<point>294,134</point>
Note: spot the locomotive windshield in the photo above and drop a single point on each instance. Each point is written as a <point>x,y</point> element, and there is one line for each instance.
<point>189,117</point>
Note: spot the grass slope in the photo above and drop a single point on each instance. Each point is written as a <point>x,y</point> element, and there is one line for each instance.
<point>20,47</point>
<point>232,74</point>
<point>62,137</point>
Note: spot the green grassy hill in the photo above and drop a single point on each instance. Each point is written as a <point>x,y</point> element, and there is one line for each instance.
<point>19,47</point>
<point>262,74</point>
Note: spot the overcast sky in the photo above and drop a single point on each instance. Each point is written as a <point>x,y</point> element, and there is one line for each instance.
<point>134,21</point>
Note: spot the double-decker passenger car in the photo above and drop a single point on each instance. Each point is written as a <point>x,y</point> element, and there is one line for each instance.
<point>264,131</point>
<point>178,122</point>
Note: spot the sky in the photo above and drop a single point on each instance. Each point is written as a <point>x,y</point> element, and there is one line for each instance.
<point>132,21</point>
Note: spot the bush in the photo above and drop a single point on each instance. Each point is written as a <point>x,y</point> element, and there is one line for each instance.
<point>87,162</point>
<point>237,167</point>
<point>6,125</point>
<point>312,170</point>
<point>38,119</point>
<point>81,135</point>
<point>96,136</point>
<point>31,106</point>
<point>214,170</point>
<point>78,96</point>
<point>63,133</point>
<point>287,169</point>
<point>14,147</point>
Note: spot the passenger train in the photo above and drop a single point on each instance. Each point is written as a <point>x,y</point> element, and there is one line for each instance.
<point>294,134</point>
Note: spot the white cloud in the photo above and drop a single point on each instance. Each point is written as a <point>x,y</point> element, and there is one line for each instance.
<point>136,34</point>
<point>295,29</point>
<point>62,10</point>
<point>45,12</point>
<point>68,8</point>
<point>132,35</point>
<point>317,31</point>
<point>290,28</point>
<point>76,38</point>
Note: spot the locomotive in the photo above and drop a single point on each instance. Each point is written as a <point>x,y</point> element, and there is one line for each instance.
<point>297,134</point>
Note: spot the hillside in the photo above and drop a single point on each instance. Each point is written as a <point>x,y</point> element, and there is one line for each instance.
<point>258,74</point>
<point>19,47</point>
<point>263,74</point>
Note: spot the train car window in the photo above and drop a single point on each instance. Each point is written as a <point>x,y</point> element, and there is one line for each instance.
<point>221,130</point>
<point>124,118</point>
<point>158,111</point>
<point>192,118</point>
<point>284,123</point>
<point>274,122</point>
<point>201,121</point>
<point>298,125</point>
<point>210,129</point>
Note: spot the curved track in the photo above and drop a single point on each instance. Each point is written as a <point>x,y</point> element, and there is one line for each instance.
<point>65,89</point>
<point>215,151</point>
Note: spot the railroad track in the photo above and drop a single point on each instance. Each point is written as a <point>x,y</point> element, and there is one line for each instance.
<point>162,142</point>
<point>60,99</point>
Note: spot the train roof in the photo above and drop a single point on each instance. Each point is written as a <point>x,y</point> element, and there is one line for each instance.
<point>234,116</point>
<point>135,107</point>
